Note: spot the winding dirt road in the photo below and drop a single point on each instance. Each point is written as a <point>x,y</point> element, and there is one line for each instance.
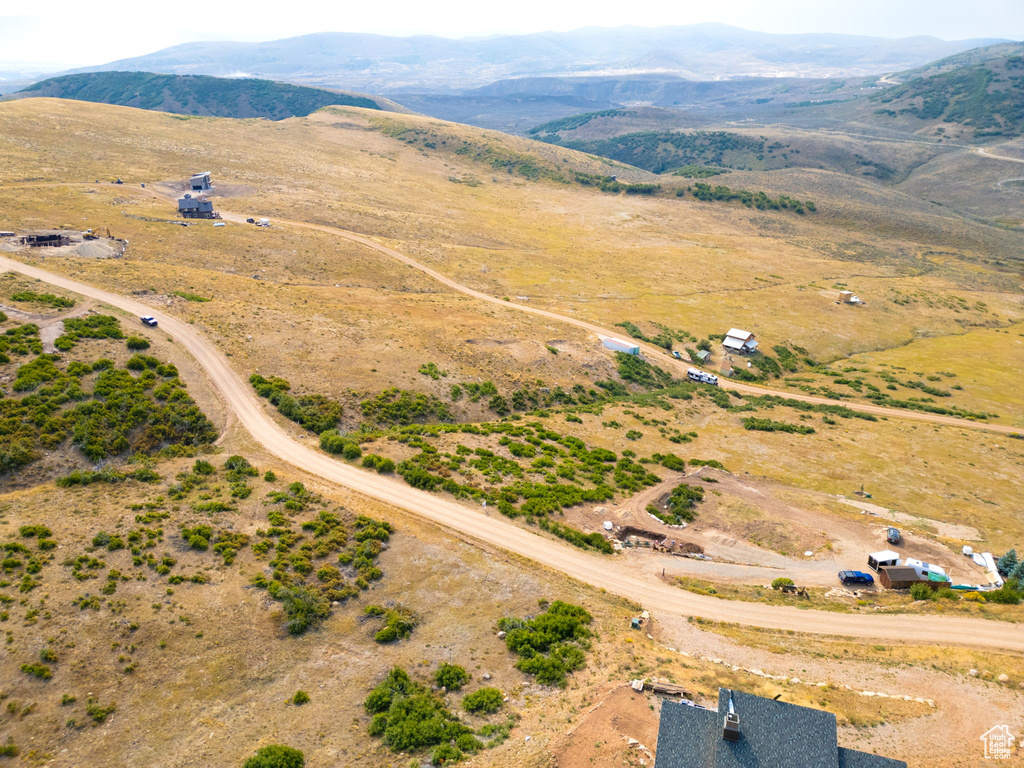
<point>602,572</point>
<point>986,153</point>
<point>651,352</point>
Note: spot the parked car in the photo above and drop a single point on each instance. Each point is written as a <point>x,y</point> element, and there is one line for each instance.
<point>856,577</point>
<point>676,355</point>
<point>148,320</point>
<point>250,221</point>
<point>893,536</point>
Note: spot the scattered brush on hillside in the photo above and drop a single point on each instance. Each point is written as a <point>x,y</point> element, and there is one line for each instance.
<point>49,299</point>
<point>759,200</point>
<point>552,645</point>
<point>103,410</point>
<point>698,172</point>
<point>296,559</point>
<point>661,151</point>
<point>989,98</point>
<point>680,507</point>
<point>768,425</point>
<point>313,412</point>
<point>573,122</point>
<point>409,717</point>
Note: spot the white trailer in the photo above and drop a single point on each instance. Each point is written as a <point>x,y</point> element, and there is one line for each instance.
<point>701,378</point>
<point>619,345</point>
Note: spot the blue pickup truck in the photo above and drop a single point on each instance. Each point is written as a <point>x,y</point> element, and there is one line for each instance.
<point>855,577</point>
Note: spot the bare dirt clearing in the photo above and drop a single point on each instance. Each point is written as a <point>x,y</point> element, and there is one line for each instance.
<point>755,531</point>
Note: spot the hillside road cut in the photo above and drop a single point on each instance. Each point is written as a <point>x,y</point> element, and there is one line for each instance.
<point>487,526</point>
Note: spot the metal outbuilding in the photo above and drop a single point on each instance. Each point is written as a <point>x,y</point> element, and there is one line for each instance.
<point>610,342</point>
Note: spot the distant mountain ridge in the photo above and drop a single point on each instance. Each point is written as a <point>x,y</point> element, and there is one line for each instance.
<point>195,94</point>
<point>425,64</point>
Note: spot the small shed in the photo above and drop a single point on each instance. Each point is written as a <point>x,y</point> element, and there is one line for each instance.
<point>610,342</point>
<point>899,577</point>
<point>200,182</point>
<point>740,341</point>
<point>703,355</point>
<point>886,557</point>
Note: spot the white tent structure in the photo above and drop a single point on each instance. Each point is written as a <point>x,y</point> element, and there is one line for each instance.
<point>886,557</point>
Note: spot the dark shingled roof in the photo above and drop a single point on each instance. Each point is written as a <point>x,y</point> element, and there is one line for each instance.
<point>774,734</point>
<point>851,758</point>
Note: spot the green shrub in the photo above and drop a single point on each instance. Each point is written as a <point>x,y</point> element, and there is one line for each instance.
<point>136,343</point>
<point>671,461</point>
<point>781,582</point>
<point>408,716</point>
<point>57,302</point>
<point>303,608</point>
<point>1008,594</point>
<point>41,671</point>
<point>445,754</point>
<point>276,756</point>
<point>300,698</point>
<point>921,591</point>
<point>767,425</point>
<point>451,677</point>
<point>549,645</point>
<point>485,700</point>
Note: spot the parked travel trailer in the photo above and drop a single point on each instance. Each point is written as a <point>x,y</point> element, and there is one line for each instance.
<point>702,378</point>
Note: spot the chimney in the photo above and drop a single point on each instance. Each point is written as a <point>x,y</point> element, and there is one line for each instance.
<point>731,727</point>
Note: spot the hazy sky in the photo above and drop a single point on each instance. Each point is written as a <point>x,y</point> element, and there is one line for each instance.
<point>76,33</point>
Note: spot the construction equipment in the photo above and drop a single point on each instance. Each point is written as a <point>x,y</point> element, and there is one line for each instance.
<point>92,234</point>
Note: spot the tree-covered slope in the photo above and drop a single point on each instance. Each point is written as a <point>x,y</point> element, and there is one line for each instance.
<point>195,94</point>
<point>660,151</point>
<point>987,98</point>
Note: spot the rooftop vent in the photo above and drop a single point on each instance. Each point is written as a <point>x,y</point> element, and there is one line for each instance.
<point>731,726</point>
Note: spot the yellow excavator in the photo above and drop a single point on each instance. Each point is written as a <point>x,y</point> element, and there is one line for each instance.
<point>95,234</point>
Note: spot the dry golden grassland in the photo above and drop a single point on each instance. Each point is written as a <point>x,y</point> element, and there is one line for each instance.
<point>706,267</point>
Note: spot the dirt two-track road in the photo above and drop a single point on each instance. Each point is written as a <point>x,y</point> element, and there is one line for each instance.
<point>489,527</point>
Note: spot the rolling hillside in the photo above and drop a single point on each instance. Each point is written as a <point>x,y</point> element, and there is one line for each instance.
<point>977,101</point>
<point>391,290</point>
<point>195,94</point>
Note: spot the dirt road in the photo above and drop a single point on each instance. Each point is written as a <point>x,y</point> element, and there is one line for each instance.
<point>651,352</point>
<point>986,153</point>
<point>488,526</point>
